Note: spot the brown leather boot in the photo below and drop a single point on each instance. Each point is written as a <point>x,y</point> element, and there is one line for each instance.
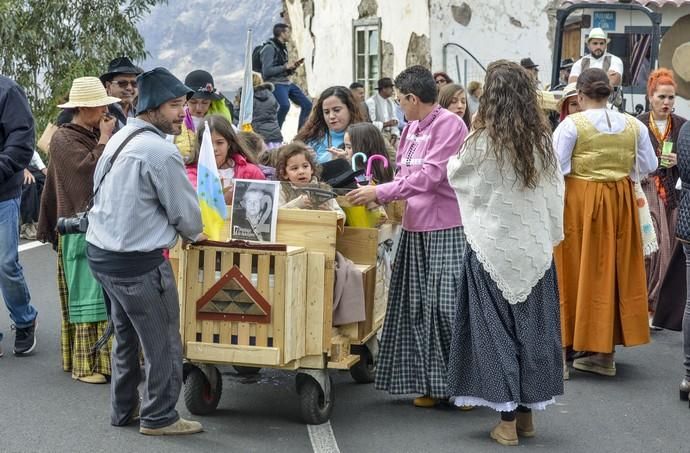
<point>524,424</point>
<point>505,433</point>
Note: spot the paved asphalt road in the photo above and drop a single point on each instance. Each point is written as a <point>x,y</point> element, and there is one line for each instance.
<point>43,410</point>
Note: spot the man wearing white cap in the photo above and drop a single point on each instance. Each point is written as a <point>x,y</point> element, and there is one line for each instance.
<point>598,58</point>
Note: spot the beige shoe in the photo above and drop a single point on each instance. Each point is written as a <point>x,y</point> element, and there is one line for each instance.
<point>181,426</point>
<point>596,364</point>
<point>524,425</point>
<point>505,433</point>
<point>425,401</point>
<point>95,378</point>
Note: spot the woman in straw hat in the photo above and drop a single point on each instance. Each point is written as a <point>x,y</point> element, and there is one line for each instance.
<point>74,151</point>
<point>659,187</point>
<point>568,104</point>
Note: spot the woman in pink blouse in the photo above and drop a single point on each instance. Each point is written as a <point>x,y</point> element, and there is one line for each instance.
<point>424,286</point>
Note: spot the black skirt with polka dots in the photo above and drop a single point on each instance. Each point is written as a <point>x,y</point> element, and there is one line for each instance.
<point>505,354</point>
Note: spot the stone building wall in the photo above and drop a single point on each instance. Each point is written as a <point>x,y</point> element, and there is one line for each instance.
<point>322,30</point>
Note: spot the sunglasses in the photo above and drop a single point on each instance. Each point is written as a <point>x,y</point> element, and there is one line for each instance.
<point>123,83</point>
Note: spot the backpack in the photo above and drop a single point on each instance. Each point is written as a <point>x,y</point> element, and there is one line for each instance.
<point>256,57</point>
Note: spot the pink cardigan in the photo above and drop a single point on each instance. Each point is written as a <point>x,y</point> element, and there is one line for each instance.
<point>243,170</point>
<point>421,179</point>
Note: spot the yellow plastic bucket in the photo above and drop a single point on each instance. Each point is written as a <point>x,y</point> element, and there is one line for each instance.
<point>360,216</point>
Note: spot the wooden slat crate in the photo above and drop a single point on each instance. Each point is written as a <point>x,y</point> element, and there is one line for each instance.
<point>298,287</point>
<point>279,277</point>
<point>360,245</point>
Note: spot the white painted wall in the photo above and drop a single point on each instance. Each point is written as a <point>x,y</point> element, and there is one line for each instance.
<point>332,60</point>
<point>399,19</point>
<point>490,35</point>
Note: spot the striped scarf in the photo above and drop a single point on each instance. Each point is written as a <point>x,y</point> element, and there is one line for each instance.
<point>661,188</point>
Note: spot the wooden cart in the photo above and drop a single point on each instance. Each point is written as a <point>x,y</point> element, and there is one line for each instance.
<point>271,307</point>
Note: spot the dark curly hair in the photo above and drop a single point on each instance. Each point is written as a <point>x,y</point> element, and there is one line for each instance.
<point>518,132</point>
<point>295,148</point>
<point>315,127</point>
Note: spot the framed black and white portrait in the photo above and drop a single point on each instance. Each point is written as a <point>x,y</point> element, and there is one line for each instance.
<point>254,210</point>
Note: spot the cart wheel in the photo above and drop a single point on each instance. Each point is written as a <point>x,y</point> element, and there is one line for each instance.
<point>364,371</point>
<point>315,407</point>
<point>246,370</point>
<point>200,397</point>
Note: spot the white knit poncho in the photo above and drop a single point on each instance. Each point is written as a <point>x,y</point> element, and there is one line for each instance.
<point>511,229</point>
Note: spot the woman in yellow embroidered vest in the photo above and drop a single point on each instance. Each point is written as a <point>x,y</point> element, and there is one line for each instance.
<point>600,264</point>
<point>659,187</point>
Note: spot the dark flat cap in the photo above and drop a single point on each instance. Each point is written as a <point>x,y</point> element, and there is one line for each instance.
<point>122,65</point>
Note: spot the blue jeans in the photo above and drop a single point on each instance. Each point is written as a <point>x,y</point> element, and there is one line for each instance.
<point>286,93</point>
<point>12,283</point>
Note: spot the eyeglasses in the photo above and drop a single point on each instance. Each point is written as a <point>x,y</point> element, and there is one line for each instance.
<point>123,83</point>
<point>441,81</point>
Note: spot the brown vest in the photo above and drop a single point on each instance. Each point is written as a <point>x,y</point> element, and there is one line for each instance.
<point>605,67</point>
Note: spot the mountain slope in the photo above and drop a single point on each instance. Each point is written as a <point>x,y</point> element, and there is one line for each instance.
<point>207,34</point>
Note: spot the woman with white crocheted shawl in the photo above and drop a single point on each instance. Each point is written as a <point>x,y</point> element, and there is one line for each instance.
<point>506,348</point>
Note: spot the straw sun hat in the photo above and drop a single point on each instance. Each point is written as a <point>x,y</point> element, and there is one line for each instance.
<point>598,33</point>
<point>569,91</point>
<point>88,92</point>
<point>681,61</point>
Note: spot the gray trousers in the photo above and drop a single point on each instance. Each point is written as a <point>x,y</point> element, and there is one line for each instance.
<point>145,310</point>
<point>686,314</point>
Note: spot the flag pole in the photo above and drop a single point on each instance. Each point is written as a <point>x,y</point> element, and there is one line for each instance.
<point>247,97</point>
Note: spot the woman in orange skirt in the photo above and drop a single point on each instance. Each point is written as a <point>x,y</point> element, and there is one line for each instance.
<point>600,264</point>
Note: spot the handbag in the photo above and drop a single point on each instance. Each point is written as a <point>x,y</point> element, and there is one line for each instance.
<point>649,240</point>
<point>47,135</point>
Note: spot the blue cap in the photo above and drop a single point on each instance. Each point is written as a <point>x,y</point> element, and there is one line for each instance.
<point>158,86</point>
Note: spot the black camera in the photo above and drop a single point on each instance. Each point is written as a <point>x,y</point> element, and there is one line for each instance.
<point>73,225</point>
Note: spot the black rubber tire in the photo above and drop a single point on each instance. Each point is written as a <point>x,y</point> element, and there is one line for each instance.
<point>199,397</point>
<point>246,370</point>
<point>364,371</point>
<point>312,402</point>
